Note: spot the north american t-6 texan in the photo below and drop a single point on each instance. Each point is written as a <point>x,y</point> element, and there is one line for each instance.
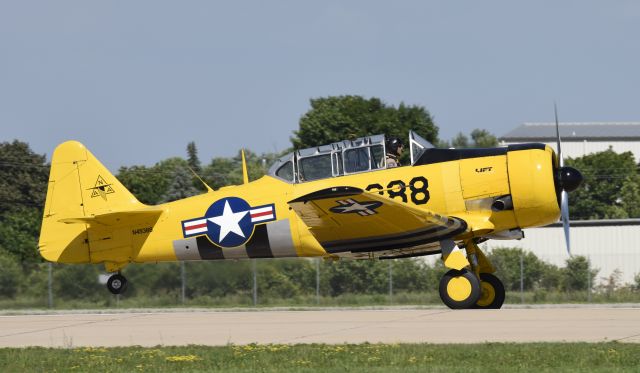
<point>341,200</point>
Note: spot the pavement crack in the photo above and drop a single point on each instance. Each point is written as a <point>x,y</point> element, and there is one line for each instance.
<point>623,338</point>
<point>69,326</point>
<point>366,325</point>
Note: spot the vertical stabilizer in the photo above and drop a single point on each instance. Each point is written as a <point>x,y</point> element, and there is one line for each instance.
<point>79,187</point>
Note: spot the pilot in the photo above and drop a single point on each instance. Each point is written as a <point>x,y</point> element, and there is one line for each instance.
<point>394,151</point>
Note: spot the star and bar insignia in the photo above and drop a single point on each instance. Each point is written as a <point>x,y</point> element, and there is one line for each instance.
<point>364,208</point>
<point>229,222</point>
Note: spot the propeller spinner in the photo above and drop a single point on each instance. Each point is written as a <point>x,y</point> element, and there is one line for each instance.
<point>568,179</point>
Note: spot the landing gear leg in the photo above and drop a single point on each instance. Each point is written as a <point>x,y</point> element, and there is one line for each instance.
<point>117,284</point>
<point>460,287</point>
<point>492,289</point>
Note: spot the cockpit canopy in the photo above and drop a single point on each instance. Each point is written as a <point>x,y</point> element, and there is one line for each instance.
<point>346,157</point>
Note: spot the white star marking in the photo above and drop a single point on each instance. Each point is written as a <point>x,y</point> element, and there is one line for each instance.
<point>228,221</point>
<point>356,207</point>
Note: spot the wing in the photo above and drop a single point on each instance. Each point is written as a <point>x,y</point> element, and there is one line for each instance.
<point>351,219</point>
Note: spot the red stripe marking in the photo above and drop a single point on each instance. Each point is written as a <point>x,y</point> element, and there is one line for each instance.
<point>196,226</point>
<point>259,214</point>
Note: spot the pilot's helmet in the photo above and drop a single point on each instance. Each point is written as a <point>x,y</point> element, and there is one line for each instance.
<point>393,145</point>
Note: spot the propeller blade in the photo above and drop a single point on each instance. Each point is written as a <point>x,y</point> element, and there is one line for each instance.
<point>564,211</point>
<point>560,159</point>
<point>564,179</point>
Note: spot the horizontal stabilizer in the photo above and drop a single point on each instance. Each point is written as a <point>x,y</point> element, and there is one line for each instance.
<point>114,218</point>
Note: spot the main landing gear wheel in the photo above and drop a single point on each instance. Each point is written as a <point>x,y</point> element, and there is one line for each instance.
<point>459,289</point>
<point>492,292</point>
<point>117,284</point>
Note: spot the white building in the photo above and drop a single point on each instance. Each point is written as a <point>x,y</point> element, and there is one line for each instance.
<point>609,245</point>
<point>580,139</point>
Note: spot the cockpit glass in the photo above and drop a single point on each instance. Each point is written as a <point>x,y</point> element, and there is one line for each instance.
<point>377,156</point>
<point>332,160</point>
<point>316,167</point>
<point>286,171</point>
<point>356,160</point>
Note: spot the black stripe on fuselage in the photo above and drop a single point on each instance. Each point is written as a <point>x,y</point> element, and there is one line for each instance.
<point>207,250</point>
<point>401,242</point>
<point>435,155</point>
<point>395,237</point>
<point>258,246</point>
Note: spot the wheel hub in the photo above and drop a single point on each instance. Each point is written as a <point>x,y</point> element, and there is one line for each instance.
<point>488,294</point>
<point>116,284</point>
<point>459,288</point>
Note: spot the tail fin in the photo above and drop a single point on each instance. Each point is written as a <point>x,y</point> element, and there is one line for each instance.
<point>80,188</point>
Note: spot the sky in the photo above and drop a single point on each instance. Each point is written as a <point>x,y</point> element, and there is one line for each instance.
<point>135,81</point>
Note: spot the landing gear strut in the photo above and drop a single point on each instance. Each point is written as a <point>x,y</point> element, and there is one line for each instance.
<point>469,283</point>
<point>117,284</point>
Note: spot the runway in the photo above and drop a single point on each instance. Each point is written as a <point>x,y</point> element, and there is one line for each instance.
<point>209,327</point>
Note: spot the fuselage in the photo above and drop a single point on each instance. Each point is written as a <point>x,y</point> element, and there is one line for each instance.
<point>458,183</point>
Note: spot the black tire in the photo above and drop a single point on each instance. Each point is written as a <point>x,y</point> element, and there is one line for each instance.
<point>493,293</point>
<point>459,289</point>
<point>117,284</point>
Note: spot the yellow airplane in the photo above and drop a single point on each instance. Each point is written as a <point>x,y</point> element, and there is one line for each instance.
<point>334,201</point>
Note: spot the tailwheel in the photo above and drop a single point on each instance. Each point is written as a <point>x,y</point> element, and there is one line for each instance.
<point>117,284</point>
<point>459,289</point>
<point>492,292</point>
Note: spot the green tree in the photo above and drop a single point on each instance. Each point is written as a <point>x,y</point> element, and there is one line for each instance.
<point>219,278</point>
<point>483,139</point>
<point>357,276</point>
<point>610,187</point>
<point>153,279</point>
<point>23,186</point>
<point>10,275</point>
<point>148,184</point>
<point>192,157</point>
<point>228,171</point>
<point>276,283</point>
<point>222,172</point>
<point>19,232</point>
<point>181,186</point>
<point>337,118</point>
<point>151,184</point>
<point>412,275</point>
<point>507,263</point>
<point>460,141</point>
<point>23,176</point>
<point>630,195</point>
<point>78,281</point>
<point>479,139</point>
<point>577,274</point>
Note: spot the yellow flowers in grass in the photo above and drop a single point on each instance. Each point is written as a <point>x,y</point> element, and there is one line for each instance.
<point>182,358</point>
<point>302,362</point>
<point>92,349</point>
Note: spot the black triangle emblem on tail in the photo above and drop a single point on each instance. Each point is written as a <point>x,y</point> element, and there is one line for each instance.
<point>101,188</point>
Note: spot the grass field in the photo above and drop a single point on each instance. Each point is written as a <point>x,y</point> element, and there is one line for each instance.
<point>490,357</point>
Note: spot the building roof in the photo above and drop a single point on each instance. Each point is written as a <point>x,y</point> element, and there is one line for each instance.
<point>575,131</point>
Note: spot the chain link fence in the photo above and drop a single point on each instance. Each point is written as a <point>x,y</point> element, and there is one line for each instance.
<point>299,282</point>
